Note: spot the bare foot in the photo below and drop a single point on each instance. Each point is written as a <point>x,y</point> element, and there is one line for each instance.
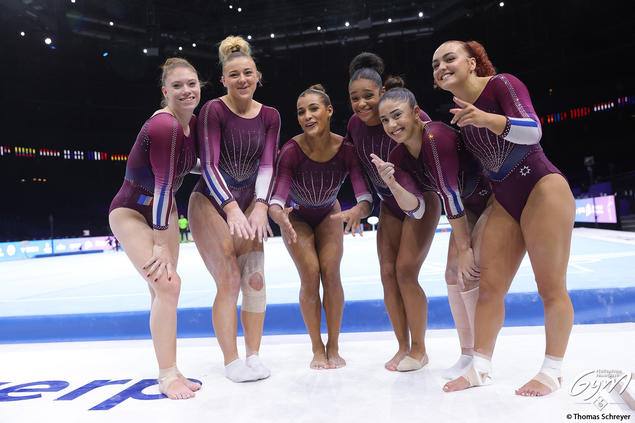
<point>193,386</point>
<point>178,390</point>
<point>392,363</point>
<point>336,361</point>
<point>319,361</point>
<point>534,388</point>
<point>457,384</point>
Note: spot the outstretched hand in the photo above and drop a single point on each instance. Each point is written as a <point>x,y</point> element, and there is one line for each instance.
<point>468,114</point>
<point>386,170</point>
<point>352,219</point>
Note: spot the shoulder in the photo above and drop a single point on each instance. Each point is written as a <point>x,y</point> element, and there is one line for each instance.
<point>354,122</point>
<point>161,121</point>
<point>270,113</point>
<point>440,129</point>
<point>290,148</point>
<point>505,81</point>
<point>215,105</point>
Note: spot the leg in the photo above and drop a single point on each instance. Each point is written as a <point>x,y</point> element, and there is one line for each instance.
<point>388,235</point>
<point>546,223</point>
<point>252,314</point>
<point>416,238</point>
<point>304,255</point>
<point>329,242</point>
<point>502,248</point>
<point>136,237</point>
<point>463,302</point>
<point>216,247</point>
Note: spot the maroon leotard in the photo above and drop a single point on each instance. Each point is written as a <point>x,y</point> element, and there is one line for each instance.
<point>514,161</point>
<point>311,187</point>
<point>160,157</point>
<point>237,154</point>
<point>457,176</point>
<point>373,139</point>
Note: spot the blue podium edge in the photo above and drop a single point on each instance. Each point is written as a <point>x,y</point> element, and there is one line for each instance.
<point>593,306</point>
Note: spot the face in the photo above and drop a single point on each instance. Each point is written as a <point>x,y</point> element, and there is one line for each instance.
<point>182,89</point>
<point>313,116</point>
<point>451,65</point>
<point>398,119</point>
<point>240,77</point>
<point>364,95</point>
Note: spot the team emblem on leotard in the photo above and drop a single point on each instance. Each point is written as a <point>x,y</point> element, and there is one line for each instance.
<point>525,170</point>
<point>483,192</point>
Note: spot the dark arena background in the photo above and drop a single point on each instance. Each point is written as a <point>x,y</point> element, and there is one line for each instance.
<point>85,95</point>
<point>78,78</point>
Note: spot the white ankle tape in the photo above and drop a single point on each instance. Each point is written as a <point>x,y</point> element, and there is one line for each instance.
<point>166,377</point>
<point>552,366</point>
<point>254,300</point>
<point>482,363</point>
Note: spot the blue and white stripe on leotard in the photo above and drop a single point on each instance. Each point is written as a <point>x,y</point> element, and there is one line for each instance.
<point>522,131</point>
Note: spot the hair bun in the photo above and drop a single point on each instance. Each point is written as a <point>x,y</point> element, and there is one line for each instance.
<point>317,87</point>
<point>366,60</point>
<point>233,44</point>
<point>394,82</point>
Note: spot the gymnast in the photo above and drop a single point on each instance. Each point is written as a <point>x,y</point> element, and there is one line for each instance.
<point>434,149</point>
<point>533,209</point>
<point>143,214</point>
<point>310,171</point>
<point>402,241</point>
<point>238,139</point>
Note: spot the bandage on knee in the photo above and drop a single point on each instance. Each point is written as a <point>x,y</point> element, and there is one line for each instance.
<point>252,281</point>
<point>166,377</point>
<point>461,318</point>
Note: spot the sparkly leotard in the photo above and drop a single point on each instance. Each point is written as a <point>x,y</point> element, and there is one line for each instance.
<point>373,139</point>
<point>458,177</point>
<point>311,187</point>
<point>514,161</point>
<point>160,158</point>
<point>237,154</point>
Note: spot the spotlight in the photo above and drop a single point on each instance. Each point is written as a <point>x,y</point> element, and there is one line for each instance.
<point>421,14</point>
<point>22,33</point>
<point>145,51</point>
<point>272,35</point>
<point>111,23</point>
<point>53,47</point>
<point>104,54</point>
<point>249,37</point>
<point>231,7</point>
<point>73,1</point>
<point>47,41</point>
<point>193,44</point>
<point>347,24</point>
<point>389,20</point>
<point>319,28</point>
<point>180,48</point>
<point>240,9</point>
<point>501,4</point>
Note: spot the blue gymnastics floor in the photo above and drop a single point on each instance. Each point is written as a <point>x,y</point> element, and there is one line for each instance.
<point>100,296</point>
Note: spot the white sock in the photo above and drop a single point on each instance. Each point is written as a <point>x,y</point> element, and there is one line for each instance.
<point>255,363</point>
<point>238,371</point>
<point>459,368</point>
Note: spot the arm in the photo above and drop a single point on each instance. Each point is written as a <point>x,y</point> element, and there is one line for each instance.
<point>364,206</point>
<point>165,140</point>
<point>518,123</point>
<point>412,204</point>
<point>440,148</point>
<point>264,180</point>
<point>209,139</point>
